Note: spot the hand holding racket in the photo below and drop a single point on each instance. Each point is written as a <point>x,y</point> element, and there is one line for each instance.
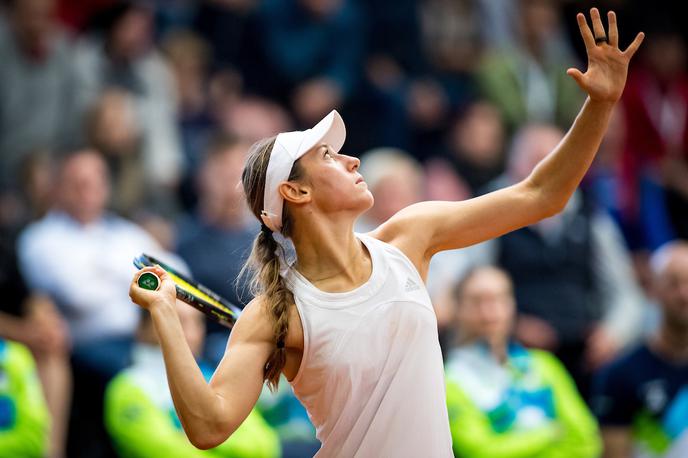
<point>156,279</point>
<point>145,297</point>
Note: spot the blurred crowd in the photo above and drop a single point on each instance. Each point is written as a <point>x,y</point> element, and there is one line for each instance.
<point>124,127</point>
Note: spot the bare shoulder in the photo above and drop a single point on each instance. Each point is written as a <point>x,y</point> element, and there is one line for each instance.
<point>403,231</point>
<point>256,323</point>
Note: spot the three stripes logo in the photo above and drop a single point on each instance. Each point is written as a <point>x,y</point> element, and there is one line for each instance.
<point>411,286</point>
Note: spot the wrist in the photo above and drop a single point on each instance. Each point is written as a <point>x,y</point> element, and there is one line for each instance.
<point>161,308</point>
<point>602,104</point>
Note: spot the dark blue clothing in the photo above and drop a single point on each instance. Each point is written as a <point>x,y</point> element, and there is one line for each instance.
<point>644,391</point>
<point>215,256</point>
<point>299,46</point>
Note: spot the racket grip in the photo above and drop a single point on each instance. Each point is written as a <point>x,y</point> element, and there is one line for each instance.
<point>148,280</point>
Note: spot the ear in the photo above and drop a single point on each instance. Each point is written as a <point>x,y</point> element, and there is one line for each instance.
<point>295,192</point>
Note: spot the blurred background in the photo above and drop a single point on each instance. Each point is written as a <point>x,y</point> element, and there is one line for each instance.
<point>124,127</point>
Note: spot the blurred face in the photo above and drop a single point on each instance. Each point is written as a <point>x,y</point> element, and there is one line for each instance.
<point>193,325</point>
<point>479,135</point>
<point>539,20</point>
<point>334,181</point>
<point>84,186</point>
<point>33,21</point>
<point>132,35</point>
<point>666,56</point>
<point>395,192</point>
<point>672,288</point>
<point>322,8</point>
<point>485,309</point>
<point>534,145</point>
<point>220,177</point>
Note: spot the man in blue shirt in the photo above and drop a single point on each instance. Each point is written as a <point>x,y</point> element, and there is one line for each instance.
<point>641,399</point>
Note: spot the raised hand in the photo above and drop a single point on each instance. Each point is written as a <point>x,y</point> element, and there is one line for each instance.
<point>605,77</point>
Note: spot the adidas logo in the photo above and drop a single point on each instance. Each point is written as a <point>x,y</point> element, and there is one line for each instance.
<point>411,286</point>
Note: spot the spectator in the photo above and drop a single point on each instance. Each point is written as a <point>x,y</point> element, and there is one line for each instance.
<point>36,85</point>
<point>140,415</point>
<point>476,145</point>
<point>227,27</point>
<point>24,419</point>
<point>641,399</point>
<point>80,256</point>
<point>307,57</point>
<point>31,319</point>
<point>505,400</point>
<point>113,131</point>
<point>124,57</point>
<point>574,286</point>
<point>528,83</point>
<point>189,59</point>
<point>216,239</point>
<point>655,156</point>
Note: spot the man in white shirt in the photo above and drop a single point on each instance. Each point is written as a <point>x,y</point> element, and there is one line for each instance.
<point>81,256</point>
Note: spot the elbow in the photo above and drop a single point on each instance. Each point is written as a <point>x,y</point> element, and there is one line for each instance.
<point>206,441</point>
<point>210,437</point>
<point>551,206</point>
<point>546,202</point>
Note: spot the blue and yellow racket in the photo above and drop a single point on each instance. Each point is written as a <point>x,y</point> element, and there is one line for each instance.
<point>193,293</point>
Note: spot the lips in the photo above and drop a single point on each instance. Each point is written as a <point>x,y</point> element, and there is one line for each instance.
<point>360,180</point>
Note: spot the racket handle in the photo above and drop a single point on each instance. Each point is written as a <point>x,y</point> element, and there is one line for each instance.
<point>148,280</point>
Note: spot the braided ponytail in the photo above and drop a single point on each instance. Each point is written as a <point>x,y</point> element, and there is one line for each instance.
<point>264,262</point>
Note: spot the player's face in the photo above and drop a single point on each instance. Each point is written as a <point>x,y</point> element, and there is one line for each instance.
<point>336,185</point>
<point>486,308</point>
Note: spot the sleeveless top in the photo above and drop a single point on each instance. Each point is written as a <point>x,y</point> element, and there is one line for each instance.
<point>371,376</point>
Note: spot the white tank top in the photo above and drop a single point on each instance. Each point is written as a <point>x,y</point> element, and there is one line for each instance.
<point>371,376</point>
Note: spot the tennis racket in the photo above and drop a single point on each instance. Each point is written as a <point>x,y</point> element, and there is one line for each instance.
<point>195,294</point>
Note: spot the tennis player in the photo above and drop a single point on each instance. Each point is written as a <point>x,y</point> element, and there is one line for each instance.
<point>349,322</point>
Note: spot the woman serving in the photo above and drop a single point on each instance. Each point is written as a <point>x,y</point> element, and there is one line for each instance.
<point>349,322</point>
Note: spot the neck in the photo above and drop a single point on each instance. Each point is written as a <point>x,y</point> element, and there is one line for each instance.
<point>672,342</point>
<point>330,255</point>
<point>497,347</point>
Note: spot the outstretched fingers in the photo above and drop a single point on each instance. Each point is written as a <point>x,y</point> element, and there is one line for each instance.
<point>633,47</point>
<point>613,29</point>
<point>597,26</point>
<point>585,31</point>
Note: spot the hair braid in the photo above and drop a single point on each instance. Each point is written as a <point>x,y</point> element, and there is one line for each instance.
<point>264,260</point>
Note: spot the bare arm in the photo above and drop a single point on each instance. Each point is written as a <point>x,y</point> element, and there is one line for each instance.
<point>423,229</point>
<point>209,413</point>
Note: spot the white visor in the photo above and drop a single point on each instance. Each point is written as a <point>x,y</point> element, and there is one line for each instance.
<point>289,147</point>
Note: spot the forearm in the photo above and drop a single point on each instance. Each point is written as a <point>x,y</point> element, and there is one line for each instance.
<point>557,176</point>
<point>198,407</point>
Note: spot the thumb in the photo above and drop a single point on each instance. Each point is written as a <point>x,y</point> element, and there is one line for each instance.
<point>577,75</point>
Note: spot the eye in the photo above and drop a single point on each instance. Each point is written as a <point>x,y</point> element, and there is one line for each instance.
<point>327,153</point>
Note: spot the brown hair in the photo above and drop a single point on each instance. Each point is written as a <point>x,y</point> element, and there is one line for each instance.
<point>263,261</point>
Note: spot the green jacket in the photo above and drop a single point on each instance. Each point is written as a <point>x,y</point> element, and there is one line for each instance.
<point>527,408</point>
<point>140,417</point>
<point>24,417</point>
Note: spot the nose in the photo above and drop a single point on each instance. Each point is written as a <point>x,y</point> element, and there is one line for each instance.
<point>354,163</point>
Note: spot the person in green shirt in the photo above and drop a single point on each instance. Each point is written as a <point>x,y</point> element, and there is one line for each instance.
<point>24,417</point>
<point>140,415</point>
<point>506,401</point>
